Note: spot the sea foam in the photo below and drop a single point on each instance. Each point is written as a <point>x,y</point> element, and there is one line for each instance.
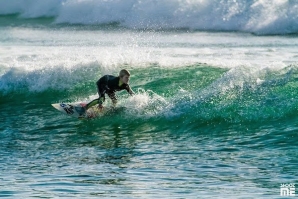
<point>255,16</point>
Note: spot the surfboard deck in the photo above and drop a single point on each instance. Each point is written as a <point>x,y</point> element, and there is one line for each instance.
<point>77,110</point>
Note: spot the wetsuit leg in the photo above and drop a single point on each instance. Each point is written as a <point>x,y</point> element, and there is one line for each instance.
<point>98,101</point>
<point>112,96</point>
<point>101,89</point>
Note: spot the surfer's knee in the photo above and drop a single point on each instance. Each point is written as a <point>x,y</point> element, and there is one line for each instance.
<point>101,100</point>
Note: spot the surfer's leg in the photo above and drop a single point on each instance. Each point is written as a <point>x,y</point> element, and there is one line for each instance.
<point>112,96</point>
<point>92,103</point>
<point>98,101</point>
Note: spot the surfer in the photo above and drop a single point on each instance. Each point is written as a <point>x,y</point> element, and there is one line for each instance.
<point>109,84</point>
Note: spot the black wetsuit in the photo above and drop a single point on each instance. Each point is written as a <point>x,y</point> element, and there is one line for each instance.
<point>109,84</point>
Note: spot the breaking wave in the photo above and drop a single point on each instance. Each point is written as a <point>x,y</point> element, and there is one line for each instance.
<point>255,16</point>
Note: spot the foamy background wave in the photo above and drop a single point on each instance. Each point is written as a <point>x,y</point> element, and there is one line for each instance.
<point>257,16</point>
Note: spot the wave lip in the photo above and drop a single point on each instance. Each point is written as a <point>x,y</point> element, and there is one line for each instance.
<point>258,16</point>
<point>31,8</point>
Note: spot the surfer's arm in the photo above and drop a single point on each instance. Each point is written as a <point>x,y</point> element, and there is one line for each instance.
<point>129,90</point>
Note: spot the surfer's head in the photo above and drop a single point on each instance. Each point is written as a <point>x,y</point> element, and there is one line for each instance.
<point>124,76</point>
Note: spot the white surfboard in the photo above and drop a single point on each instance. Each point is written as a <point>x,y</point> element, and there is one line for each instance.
<point>77,110</point>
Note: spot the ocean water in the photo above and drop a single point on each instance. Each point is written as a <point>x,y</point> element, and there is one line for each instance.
<point>215,110</point>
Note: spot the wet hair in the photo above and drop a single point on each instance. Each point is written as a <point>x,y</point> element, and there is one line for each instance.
<point>124,72</point>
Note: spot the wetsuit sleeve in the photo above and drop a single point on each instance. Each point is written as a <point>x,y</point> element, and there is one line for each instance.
<point>102,85</point>
<point>129,90</point>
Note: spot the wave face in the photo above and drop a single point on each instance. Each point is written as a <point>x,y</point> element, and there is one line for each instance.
<point>235,96</point>
<point>255,16</point>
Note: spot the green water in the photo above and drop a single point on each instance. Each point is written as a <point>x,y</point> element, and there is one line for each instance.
<point>214,115</point>
<point>192,138</point>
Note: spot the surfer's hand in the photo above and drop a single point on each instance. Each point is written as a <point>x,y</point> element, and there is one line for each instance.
<point>131,92</point>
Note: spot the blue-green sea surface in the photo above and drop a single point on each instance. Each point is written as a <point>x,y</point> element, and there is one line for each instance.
<point>214,115</point>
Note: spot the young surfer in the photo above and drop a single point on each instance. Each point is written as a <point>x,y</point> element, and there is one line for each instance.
<point>109,84</point>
